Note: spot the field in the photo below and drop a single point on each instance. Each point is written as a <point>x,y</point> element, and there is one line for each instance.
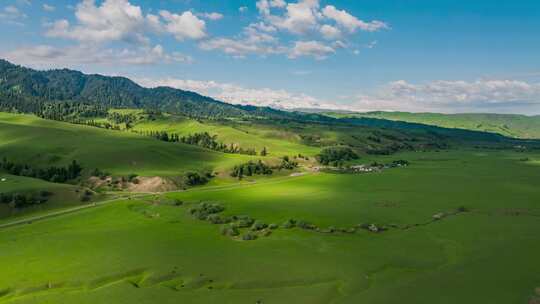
<point>150,250</point>
<point>517,126</point>
<point>61,195</point>
<point>26,138</point>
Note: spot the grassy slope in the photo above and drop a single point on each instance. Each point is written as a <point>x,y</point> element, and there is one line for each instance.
<point>62,195</point>
<point>42,142</point>
<point>519,126</point>
<point>457,260</point>
<point>277,142</point>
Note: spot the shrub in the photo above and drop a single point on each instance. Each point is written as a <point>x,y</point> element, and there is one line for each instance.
<point>203,210</point>
<point>244,222</point>
<point>336,155</point>
<point>195,178</point>
<point>230,230</point>
<point>258,225</point>
<point>273,226</point>
<point>305,225</point>
<point>289,224</point>
<point>249,237</point>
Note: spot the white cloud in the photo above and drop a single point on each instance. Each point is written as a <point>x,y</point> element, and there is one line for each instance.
<point>298,18</point>
<point>184,26</point>
<point>48,8</point>
<point>330,32</point>
<point>351,23</point>
<point>46,56</point>
<point>372,44</point>
<point>212,16</point>
<point>112,21</point>
<point>301,18</point>
<point>237,94</point>
<point>119,20</point>
<point>256,39</point>
<point>453,96</point>
<point>314,49</point>
<point>243,9</point>
<point>12,15</point>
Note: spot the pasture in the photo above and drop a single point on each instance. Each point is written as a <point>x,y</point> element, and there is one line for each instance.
<point>149,250</point>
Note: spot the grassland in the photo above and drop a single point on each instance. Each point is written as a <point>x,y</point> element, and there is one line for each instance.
<point>517,126</point>
<point>149,251</point>
<point>61,195</point>
<point>28,139</point>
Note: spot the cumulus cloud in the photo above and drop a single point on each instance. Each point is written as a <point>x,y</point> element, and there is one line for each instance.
<point>119,20</point>
<point>351,23</point>
<point>113,20</point>
<point>452,96</point>
<point>12,15</point>
<point>48,8</point>
<point>237,94</point>
<point>509,96</point>
<point>184,26</point>
<point>314,49</point>
<point>256,39</point>
<point>303,18</point>
<point>330,32</point>
<point>46,56</point>
<point>212,16</point>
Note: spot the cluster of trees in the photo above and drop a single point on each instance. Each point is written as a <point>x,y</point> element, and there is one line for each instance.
<point>51,174</point>
<point>390,149</point>
<point>251,168</point>
<point>205,140</point>
<point>118,118</point>
<point>196,178</point>
<point>18,200</point>
<point>70,111</point>
<point>287,163</point>
<point>335,156</point>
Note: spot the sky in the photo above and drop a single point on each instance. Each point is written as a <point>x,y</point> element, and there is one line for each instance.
<point>445,56</point>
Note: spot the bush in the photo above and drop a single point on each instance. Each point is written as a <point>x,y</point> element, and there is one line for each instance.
<point>336,155</point>
<point>203,210</point>
<point>305,225</point>
<point>462,209</point>
<point>195,178</point>
<point>273,226</point>
<point>289,224</point>
<point>249,237</point>
<point>245,222</point>
<point>251,168</point>
<point>258,225</point>
<point>230,230</point>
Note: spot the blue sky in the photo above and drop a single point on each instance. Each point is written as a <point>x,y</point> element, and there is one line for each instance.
<point>411,55</point>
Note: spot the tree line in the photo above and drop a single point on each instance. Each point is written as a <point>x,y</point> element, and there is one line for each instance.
<point>260,168</point>
<point>19,200</point>
<point>335,156</point>
<point>51,174</point>
<point>204,140</point>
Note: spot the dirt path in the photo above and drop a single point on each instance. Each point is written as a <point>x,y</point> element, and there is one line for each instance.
<point>53,214</point>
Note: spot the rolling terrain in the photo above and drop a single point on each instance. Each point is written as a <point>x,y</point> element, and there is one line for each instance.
<point>166,196</point>
<point>517,126</point>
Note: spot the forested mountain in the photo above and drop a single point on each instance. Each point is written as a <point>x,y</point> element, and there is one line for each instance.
<point>511,125</point>
<point>28,90</point>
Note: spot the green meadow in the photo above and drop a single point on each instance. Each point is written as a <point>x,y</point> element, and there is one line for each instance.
<point>61,195</point>
<point>518,126</point>
<point>26,138</point>
<point>151,250</point>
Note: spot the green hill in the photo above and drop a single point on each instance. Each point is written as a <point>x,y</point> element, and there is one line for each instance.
<point>31,91</point>
<point>517,126</point>
<point>28,139</point>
